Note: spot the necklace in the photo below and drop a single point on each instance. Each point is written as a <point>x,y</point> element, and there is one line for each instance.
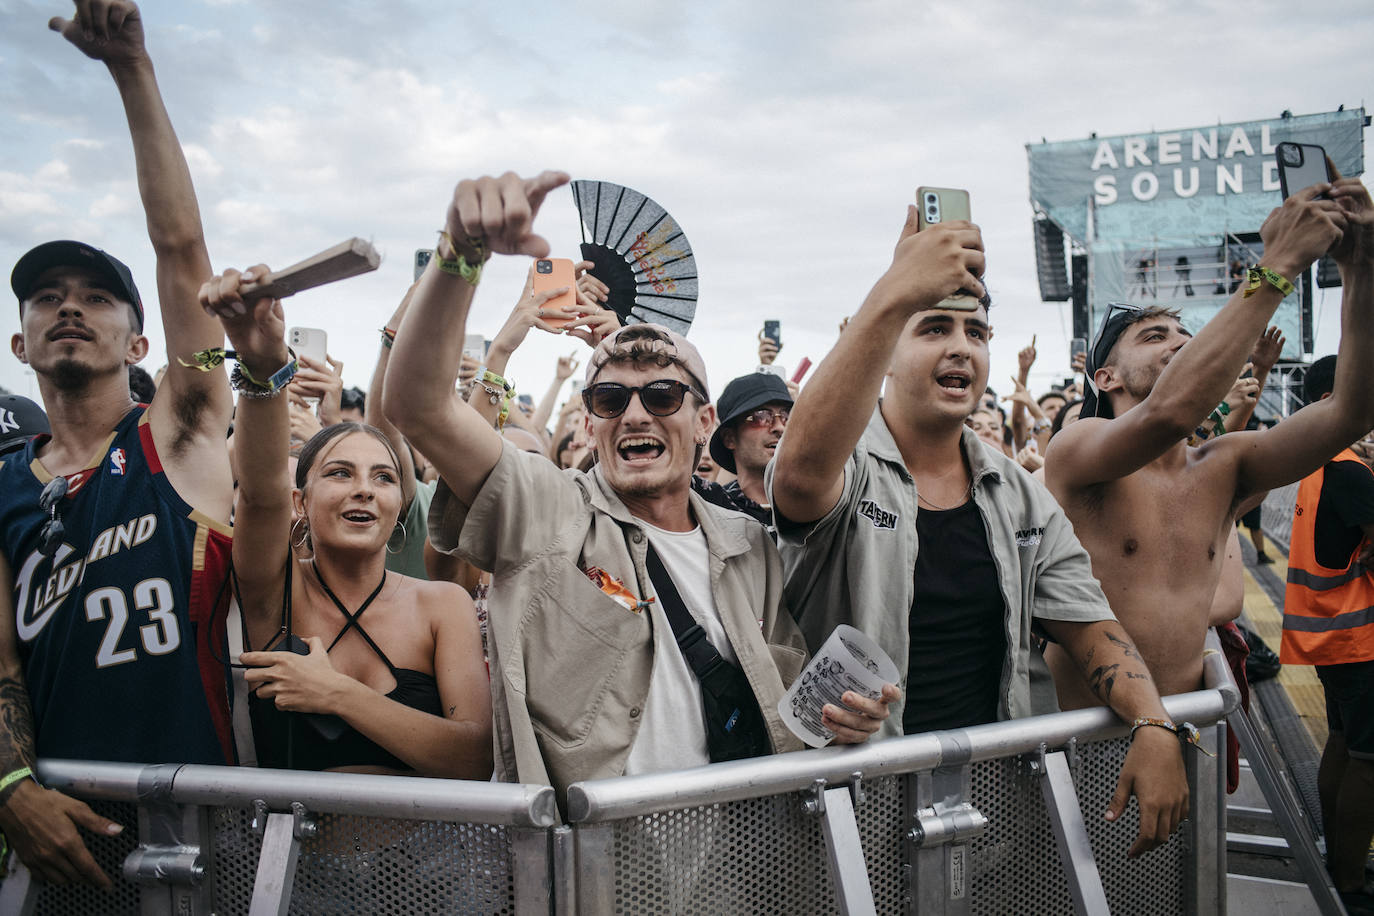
<point>967,494</point>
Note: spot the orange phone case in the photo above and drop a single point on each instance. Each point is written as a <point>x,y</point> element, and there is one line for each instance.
<point>560,274</point>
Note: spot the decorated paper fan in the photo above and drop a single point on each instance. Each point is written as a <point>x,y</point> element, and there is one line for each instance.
<point>640,252</point>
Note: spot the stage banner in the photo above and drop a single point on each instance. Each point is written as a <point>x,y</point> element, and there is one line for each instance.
<point>1180,187</point>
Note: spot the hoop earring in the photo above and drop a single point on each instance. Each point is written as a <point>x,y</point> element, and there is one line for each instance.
<point>301,541</point>
<point>404,535</point>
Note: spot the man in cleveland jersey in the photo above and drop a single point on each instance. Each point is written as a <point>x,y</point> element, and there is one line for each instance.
<point>114,527</point>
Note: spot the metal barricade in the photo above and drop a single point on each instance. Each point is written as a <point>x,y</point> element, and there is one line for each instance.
<point>223,840</point>
<point>1002,818</point>
<point>1277,514</point>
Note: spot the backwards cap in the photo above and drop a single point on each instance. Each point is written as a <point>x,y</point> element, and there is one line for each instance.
<point>668,344</point>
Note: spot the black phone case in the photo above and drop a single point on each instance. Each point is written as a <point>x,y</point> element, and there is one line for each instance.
<point>329,726</point>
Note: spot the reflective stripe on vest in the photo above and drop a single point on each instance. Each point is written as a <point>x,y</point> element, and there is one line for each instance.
<point>1328,613</point>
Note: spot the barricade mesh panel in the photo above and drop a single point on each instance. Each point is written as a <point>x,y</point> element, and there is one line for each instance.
<point>1277,515</point>
<point>109,854</point>
<point>1016,866</point>
<point>761,855</point>
<point>373,865</point>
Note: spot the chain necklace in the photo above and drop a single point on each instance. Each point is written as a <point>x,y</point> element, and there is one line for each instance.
<point>967,494</point>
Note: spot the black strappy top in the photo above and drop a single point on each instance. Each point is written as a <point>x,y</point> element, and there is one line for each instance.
<point>305,741</point>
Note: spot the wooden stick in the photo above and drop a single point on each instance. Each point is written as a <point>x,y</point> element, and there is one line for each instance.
<point>344,260</point>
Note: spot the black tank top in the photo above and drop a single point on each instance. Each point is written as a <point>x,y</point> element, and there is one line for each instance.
<point>307,741</point>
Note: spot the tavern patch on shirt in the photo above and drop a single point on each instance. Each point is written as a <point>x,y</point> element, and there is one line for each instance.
<point>880,517</point>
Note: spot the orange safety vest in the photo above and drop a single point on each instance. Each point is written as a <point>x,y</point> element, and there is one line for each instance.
<point>1328,614</point>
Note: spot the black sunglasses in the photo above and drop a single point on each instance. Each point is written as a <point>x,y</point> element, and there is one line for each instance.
<point>53,529</point>
<point>661,398</point>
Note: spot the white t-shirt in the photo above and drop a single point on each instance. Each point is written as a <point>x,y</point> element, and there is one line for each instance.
<point>672,735</point>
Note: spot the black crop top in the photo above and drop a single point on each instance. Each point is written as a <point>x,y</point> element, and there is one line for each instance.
<point>306,741</point>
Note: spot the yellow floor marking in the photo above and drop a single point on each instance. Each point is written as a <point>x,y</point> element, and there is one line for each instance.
<point>1299,681</point>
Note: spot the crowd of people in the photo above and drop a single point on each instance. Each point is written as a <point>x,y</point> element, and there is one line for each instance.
<point>434,577</point>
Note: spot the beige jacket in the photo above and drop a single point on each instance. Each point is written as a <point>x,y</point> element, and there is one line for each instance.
<point>571,666</point>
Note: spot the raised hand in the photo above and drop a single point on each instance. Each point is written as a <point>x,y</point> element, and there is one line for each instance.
<point>257,329</point>
<point>590,287</point>
<point>1303,229</point>
<point>567,365</point>
<point>1026,357</point>
<point>104,30</point>
<point>931,265</point>
<point>497,214</point>
<point>1244,391</point>
<point>322,381</point>
<point>1357,245</point>
<point>530,312</point>
<point>768,350</point>
<point>1267,351</point>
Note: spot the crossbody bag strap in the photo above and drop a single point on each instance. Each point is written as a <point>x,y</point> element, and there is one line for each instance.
<point>701,656</point>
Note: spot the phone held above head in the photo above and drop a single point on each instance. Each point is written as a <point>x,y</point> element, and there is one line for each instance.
<point>553,273</point>
<point>943,205</point>
<point>1301,165</point>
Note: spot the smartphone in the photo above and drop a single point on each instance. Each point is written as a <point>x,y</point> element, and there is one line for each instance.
<point>773,369</point>
<point>1301,165</point>
<point>311,342</point>
<point>772,331</point>
<point>422,259</point>
<point>1078,345</point>
<point>551,273</point>
<point>475,346</point>
<point>526,401</point>
<point>942,205</point>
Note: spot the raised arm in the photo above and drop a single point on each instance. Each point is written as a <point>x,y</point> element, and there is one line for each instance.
<point>41,824</point>
<point>1199,374</point>
<point>1312,436</point>
<point>834,408</point>
<point>374,415</point>
<point>567,365</point>
<point>486,215</point>
<point>1267,351</point>
<point>262,522</point>
<point>190,405</point>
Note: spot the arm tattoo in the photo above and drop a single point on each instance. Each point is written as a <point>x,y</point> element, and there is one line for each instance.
<point>1125,644</point>
<point>1102,679</point>
<point>16,730</point>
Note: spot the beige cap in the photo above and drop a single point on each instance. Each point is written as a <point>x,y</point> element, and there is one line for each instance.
<point>670,344</point>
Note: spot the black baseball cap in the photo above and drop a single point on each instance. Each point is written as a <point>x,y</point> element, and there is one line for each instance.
<point>1118,318</point>
<point>20,420</point>
<point>114,273</point>
<point>742,395</point>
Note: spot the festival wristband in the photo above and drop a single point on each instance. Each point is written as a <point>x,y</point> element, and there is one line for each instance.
<point>459,265</point>
<point>1255,276</point>
<point>12,778</point>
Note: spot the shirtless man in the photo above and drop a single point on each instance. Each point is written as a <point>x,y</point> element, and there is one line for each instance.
<point>1154,514</point>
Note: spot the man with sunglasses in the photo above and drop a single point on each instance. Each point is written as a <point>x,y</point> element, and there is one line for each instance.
<point>1155,514</point>
<point>589,679</point>
<point>753,409</point>
<point>113,528</point>
<point>895,518</point>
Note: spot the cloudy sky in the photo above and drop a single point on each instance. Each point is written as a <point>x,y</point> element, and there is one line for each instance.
<point>785,138</point>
